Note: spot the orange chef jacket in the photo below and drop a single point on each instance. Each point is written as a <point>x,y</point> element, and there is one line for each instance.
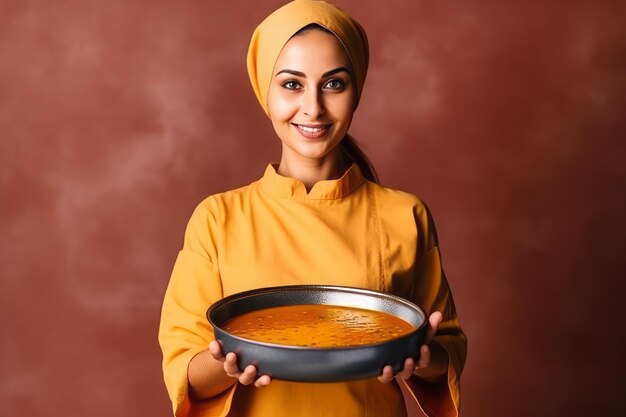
<point>347,231</point>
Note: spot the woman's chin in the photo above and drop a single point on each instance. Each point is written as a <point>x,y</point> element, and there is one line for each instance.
<point>314,151</point>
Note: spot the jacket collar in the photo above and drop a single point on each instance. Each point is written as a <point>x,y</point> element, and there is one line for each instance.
<point>278,185</point>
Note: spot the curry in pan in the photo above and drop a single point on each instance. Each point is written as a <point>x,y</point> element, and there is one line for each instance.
<point>318,326</point>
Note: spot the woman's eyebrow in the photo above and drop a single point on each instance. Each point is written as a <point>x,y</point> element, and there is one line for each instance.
<point>292,72</point>
<point>301,74</point>
<point>334,71</point>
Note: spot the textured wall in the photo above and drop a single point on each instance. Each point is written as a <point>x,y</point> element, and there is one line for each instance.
<point>117,117</point>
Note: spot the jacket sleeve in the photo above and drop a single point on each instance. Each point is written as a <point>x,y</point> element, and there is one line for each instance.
<point>184,330</point>
<point>430,291</point>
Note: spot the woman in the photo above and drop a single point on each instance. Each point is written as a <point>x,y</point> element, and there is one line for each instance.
<point>317,217</point>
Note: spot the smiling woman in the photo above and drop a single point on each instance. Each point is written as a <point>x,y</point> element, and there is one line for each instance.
<point>311,101</point>
<point>320,217</point>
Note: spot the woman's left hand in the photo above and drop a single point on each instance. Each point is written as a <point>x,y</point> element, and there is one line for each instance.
<point>424,360</point>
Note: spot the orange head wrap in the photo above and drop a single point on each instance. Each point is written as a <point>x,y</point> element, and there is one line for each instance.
<point>274,32</point>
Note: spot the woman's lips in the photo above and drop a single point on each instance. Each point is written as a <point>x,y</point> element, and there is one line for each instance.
<point>312,131</point>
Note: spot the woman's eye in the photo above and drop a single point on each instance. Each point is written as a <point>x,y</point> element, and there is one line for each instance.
<point>291,85</point>
<point>335,84</point>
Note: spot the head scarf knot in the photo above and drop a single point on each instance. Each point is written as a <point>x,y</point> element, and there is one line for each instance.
<point>274,32</point>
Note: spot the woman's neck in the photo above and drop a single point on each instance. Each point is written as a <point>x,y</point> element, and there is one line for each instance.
<point>310,171</point>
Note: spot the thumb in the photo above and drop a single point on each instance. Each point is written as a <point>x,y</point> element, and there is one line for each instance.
<point>434,320</point>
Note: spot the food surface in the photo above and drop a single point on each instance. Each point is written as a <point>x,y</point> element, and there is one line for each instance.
<point>318,326</point>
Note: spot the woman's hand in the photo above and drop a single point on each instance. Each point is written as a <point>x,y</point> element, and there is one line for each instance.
<point>247,377</point>
<point>410,367</point>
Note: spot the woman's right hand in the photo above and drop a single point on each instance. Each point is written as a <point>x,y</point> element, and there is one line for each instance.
<point>247,376</point>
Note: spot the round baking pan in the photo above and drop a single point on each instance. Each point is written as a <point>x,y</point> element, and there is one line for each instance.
<point>307,364</point>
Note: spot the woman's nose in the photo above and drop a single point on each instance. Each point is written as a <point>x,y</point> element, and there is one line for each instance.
<point>313,104</point>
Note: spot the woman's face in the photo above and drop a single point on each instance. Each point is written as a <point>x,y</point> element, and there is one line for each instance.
<point>312,95</point>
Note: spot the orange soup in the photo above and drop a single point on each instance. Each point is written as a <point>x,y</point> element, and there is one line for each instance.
<point>318,325</point>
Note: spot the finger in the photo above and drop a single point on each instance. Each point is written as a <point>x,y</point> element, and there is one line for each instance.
<point>424,357</point>
<point>230,365</point>
<point>409,368</point>
<point>387,374</point>
<point>262,381</point>
<point>215,349</point>
<point>434,320</point>
<point>248,375</point>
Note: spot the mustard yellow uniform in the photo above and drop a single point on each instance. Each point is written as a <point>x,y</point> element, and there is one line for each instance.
<point>348,231</point>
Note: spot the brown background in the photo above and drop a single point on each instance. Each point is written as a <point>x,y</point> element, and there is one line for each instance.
<point>506,117</point>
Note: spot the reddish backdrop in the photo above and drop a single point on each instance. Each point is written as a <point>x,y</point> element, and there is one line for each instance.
<point>506,117</point>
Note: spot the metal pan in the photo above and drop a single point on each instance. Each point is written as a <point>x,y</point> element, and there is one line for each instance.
<point>305,364</point>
